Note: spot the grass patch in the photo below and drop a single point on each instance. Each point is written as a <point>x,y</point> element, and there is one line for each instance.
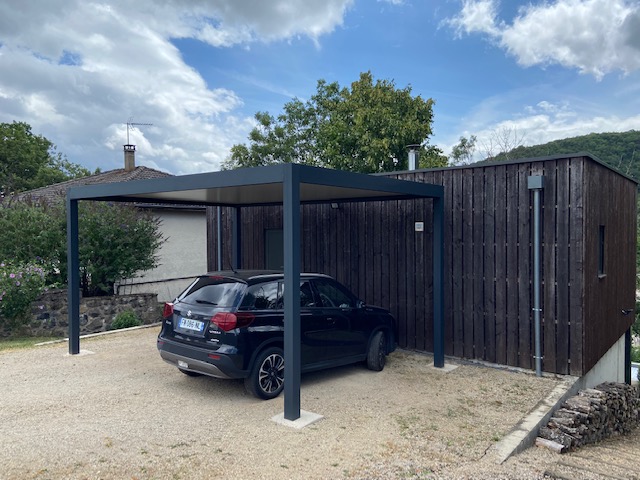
<point>14,343</point>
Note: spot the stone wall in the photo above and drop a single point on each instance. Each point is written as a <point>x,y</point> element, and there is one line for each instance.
<point>49,314</point>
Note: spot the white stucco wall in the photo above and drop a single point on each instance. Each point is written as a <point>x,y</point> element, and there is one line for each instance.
<point>182,257</point>
<point>610,368</point>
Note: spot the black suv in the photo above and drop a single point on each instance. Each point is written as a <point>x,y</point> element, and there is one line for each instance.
<point>231,325</point>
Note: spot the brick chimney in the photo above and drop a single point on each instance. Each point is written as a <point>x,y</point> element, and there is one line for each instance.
<point>129,157</point>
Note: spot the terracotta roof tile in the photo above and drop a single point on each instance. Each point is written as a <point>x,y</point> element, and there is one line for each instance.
<point>57,190</point>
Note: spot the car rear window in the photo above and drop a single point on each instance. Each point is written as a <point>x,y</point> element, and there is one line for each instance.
<point>216,291</point>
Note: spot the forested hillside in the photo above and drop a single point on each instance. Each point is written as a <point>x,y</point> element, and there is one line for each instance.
<point>620,150</point>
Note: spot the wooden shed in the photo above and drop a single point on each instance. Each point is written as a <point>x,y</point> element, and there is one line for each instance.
<point>382,251</point>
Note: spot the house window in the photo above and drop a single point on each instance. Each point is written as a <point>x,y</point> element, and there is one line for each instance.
<point>601,270</point>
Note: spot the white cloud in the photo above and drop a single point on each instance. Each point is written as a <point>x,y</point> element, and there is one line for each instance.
<point>476,16</point>
<point>596,37</point>
<point>77,70</point>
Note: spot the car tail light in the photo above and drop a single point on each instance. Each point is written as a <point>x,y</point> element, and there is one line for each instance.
<point>228,321</point>
<point>167,311</point>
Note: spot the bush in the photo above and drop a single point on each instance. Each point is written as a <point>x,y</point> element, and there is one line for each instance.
<point>20,285</point>
<point>115,241</point>
<point>126,320</point>
<point>635,328</point>
<point>635,354</point>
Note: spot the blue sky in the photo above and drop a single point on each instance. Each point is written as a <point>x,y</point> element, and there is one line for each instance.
<point>77,70</point>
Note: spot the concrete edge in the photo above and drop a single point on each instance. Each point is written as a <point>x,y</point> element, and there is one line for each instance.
<point>99,334</point>
<point>306,419</point>
<point>448,367</point>
<point>524,434</point>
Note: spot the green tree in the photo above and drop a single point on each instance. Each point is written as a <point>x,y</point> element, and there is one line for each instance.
<point>115,241</point>
<point>365,128</point>
<point>30,161</point>
<point>462,153</point>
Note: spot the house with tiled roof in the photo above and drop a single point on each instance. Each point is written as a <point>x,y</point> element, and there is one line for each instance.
<point>182,227</point>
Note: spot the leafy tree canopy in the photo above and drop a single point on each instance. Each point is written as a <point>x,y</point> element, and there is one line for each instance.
<point>115,241</point>
<point>463,152</point>
<point>365,128</point>
<point>29,161</point>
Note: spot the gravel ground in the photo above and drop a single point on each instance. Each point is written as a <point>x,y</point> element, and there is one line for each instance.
<point>122,413</point>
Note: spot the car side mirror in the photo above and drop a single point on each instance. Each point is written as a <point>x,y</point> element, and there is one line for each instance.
<point>360,304</point>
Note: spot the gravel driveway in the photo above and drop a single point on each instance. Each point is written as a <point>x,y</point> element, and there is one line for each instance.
<point>120,412</point>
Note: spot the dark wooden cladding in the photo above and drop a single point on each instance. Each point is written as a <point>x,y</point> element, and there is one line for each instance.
<point>374,248</point>
<point>611,204</point>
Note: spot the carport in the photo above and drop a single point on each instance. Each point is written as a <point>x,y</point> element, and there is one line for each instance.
<point>289,185</point>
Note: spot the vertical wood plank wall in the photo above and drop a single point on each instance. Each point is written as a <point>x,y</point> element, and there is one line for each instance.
<point>374,249</point>
<point>610,203</point>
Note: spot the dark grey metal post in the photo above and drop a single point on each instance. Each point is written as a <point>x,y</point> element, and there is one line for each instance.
<point>73,276</point>
<point>291,210</point>
<point>236,241</point>
<point>219,235</point>
<point>536,183</point>
<point>438,279</point>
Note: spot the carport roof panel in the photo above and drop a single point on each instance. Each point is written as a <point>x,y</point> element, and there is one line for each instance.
<point>258,186</point>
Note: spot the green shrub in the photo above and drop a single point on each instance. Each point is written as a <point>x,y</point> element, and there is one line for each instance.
<point>115,241</point>
<point>126,320</point>
<point>20,285</point>
<point>635,354</point>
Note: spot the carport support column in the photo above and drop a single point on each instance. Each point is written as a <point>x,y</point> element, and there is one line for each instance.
<point>73,276</point>
<point>219,237</point>
<point>291,208</point>
<point>236,241</point>
<point>438,278</point>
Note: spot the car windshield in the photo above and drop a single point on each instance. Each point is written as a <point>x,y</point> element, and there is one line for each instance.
<point>216,291</point>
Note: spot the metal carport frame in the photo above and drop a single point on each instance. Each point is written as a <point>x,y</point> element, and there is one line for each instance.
<point>286,184</point>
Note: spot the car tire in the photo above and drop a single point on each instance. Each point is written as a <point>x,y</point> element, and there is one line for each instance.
<point>189,373</point>
<point>267,376</point>
<point>377,355</point>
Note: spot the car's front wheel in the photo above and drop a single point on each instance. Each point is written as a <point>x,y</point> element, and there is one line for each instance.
<point>267,377</point>
<point>377,355</point>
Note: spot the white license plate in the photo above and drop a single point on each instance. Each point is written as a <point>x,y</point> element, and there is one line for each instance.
<point>191,324</point>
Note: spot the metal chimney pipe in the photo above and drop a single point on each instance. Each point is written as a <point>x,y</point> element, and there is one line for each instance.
<point>413,156</point>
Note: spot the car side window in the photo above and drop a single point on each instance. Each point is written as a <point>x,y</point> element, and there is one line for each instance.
<point>262,296</point>
<point>307,297</point>
<point>333,295</point>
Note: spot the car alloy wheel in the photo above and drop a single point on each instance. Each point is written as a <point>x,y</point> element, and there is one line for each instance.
<point>267,378</point>
<point>271,374</point>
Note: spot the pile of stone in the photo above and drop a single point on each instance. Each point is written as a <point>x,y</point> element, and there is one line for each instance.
<point>591,416</point>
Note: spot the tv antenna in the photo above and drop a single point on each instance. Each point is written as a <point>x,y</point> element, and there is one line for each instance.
<point>131,124</point>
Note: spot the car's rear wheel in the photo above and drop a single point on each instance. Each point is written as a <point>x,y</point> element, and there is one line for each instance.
<point>377,355</point>
<point>267,377</point>
<point>189,373</point>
